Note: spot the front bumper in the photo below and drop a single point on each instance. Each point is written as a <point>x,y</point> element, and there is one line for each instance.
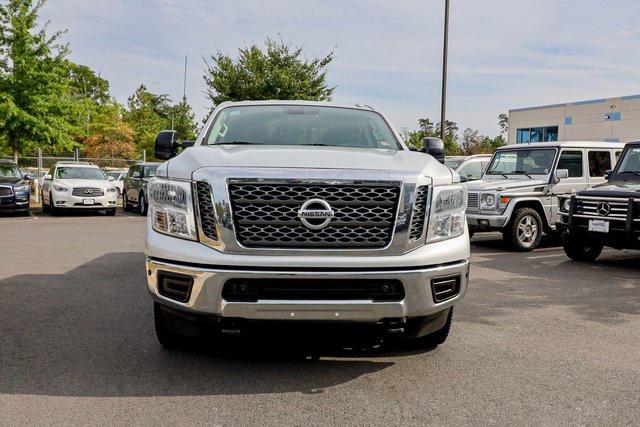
<point>482,221</point>
<point>14,203</point>
<point>206,294</point>
<point>67,201</point>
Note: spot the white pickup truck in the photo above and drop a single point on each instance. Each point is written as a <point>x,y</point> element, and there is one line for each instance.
<point>304,213</point>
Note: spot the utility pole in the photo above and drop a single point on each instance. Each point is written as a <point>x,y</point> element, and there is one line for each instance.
<point>184,82</point>
<point>443,105</point>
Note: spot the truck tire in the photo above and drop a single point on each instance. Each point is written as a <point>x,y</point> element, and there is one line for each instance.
<point>143,206</point>
<point>581,251</point>
<point>524,232</point>
<point>168,338</point>
<point>436,338</point>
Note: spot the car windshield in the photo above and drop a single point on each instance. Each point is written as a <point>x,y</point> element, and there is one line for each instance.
<point>630,162</point>
<point>301,125</point>
<point>150,171</point>
<point>9,171</point>
<point>114,175</point>
<point>453,163</point>
<point>537,161</point>
<point>72,172</point>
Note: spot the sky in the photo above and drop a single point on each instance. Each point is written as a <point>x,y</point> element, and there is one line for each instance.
<point>503,54</point>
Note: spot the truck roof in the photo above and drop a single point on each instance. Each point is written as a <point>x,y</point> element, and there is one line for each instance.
<point>297,102</point>
<point>571,144</point>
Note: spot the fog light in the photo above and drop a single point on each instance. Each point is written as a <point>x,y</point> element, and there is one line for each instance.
<point>484,222</point>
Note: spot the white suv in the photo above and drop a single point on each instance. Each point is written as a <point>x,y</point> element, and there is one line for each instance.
<point>78,185</point>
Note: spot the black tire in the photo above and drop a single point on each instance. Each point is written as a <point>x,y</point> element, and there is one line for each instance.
<point>125,202</point>
<point>111,212</point>
<point>53,211</point>
<point>168,338</point>
<point>45,207</point>
<point>524,232</point>
<point>143,206</point>
<point>436,338</point>
<point>581,251</point>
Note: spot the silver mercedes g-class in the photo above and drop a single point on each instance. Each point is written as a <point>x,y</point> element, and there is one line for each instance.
<point>304,213</point>
<point>518,194</point>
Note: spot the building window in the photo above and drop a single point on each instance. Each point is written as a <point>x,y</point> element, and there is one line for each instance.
<point>539,134</point>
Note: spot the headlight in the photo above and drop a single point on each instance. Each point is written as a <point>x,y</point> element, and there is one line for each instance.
<point>111,189</point>
<point>172,208</point>
<point>565,204</point>
<point>447,214</point>
<point>61,188</point>
<point>488,200</point>
<point>21,188</point>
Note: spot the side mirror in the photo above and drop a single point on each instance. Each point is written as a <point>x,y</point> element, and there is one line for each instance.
<point>165,145</point>
<point>47,177</point>
<point>607,174</point>
<point>110,178</point>
<point>434,147</point>
<point>463,178</point>
<point>27,177</point>
<point>562,174</point>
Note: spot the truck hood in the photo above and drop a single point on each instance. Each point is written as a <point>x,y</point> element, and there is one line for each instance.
<point>280,157</point>
<point>629,188</point>
<point>500,183</point>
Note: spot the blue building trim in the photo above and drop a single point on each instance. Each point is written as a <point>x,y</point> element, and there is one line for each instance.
<point>568,120</point>
<point>612,140</point>
<point>625,98</point>
<point>612,117</point>
<point>541,107</point>
<point>590,101</point>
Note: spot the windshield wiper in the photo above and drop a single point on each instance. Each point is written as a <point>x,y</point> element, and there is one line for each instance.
<point>522,173</point>
<point>633,172</point>
<point>237,143</point>
<point>317,144</point>
<point>497,173</point>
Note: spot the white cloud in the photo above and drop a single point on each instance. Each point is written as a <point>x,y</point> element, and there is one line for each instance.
<point>502,54</point>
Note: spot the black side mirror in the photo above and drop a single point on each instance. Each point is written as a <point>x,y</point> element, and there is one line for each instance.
<point>165,145</point>
<point>434,147</point>
<point>607,174</point>
<point>463,178</point>
<point>27,177</point>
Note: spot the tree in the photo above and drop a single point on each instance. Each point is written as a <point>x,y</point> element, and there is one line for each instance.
<point>471,141</point>
<point>110,136</point>
<point>33,80</point>
<point>503,123</point>
<point>147,114</point>
<point>279,72</point>
<point>184,121</point>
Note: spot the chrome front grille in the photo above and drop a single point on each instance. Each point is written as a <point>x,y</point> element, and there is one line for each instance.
<point>206,211</point>
<point>617,208</point>
<point>87,192</point>
<point>419,213</point>
<point>266,214</point>
<point>473,201</point>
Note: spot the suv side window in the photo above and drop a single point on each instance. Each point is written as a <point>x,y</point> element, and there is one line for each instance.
<point>571,161</point>
<point>472,170</point>
<point>599,162</point>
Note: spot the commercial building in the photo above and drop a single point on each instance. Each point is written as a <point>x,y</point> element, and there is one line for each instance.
<point>605,119</point>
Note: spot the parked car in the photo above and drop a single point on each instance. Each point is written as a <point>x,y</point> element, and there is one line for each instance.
<point>304,213</point>
<point>77,185</point>
<point>470,168</point>
<point>135,194</point>
<point>117,178</point>
<point>518,193</point>
<point>607,214</point>
<point>14,188</point>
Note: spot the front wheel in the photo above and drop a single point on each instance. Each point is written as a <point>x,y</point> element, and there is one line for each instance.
<point>53,211</point>
<point>111,212</point>
<point>524,232</point>
<point>125,202</point>
<point>142,205</point>
<point>581,251</point>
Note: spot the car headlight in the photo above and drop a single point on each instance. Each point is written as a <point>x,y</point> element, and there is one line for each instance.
<point>61,188</point>
<point>21,188</point>
<point>488,201</point>
<point>111,189</point>
<point>565,204</point>
<point>447,218</point>
<point>171,207</point>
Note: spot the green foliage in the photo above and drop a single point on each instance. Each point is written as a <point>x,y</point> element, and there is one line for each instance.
<point>279,72</point>
<point>34,105</point>
<point>503,123</point>
<point>184,121</point>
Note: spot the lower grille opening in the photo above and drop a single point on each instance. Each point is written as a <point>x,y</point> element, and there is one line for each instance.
<point>444,288</point>
<point>253,290</point>
<point>175,286</point>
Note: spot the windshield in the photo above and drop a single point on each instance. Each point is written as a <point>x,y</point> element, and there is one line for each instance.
<point>150,171</point>
<point>114,175</point>
<point>301,125</point>
<point>9,171</point>
<point>630,161</point>
<point>453,163</point>
<point>64,172</point>
<point>522,162</point>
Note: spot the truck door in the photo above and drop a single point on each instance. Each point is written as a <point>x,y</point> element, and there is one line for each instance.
<point>599,163</point>
<point>573,161</point>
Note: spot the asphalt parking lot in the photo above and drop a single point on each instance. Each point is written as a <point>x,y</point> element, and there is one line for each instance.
<point>539,339</point>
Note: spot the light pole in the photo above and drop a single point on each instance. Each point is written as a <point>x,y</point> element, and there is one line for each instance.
<point>443,104</point>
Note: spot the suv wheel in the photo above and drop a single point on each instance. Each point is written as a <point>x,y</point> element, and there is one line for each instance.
<point>168,338</point>
<point>111,212</point>
<point>581,251</point>
<point>53,211</point>
<point>142,205</point>
<point>125,202</point>
<point>525,231</point>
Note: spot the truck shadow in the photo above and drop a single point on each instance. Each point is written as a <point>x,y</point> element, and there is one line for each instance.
<point>89,332</point>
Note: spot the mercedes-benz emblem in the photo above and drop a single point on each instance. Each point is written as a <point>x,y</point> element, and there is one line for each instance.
<point>315,214</point>
<point>88,191</point>
<point>603,209</point>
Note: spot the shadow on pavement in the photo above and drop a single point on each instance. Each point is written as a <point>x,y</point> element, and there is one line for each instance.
<point>89,332</point>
